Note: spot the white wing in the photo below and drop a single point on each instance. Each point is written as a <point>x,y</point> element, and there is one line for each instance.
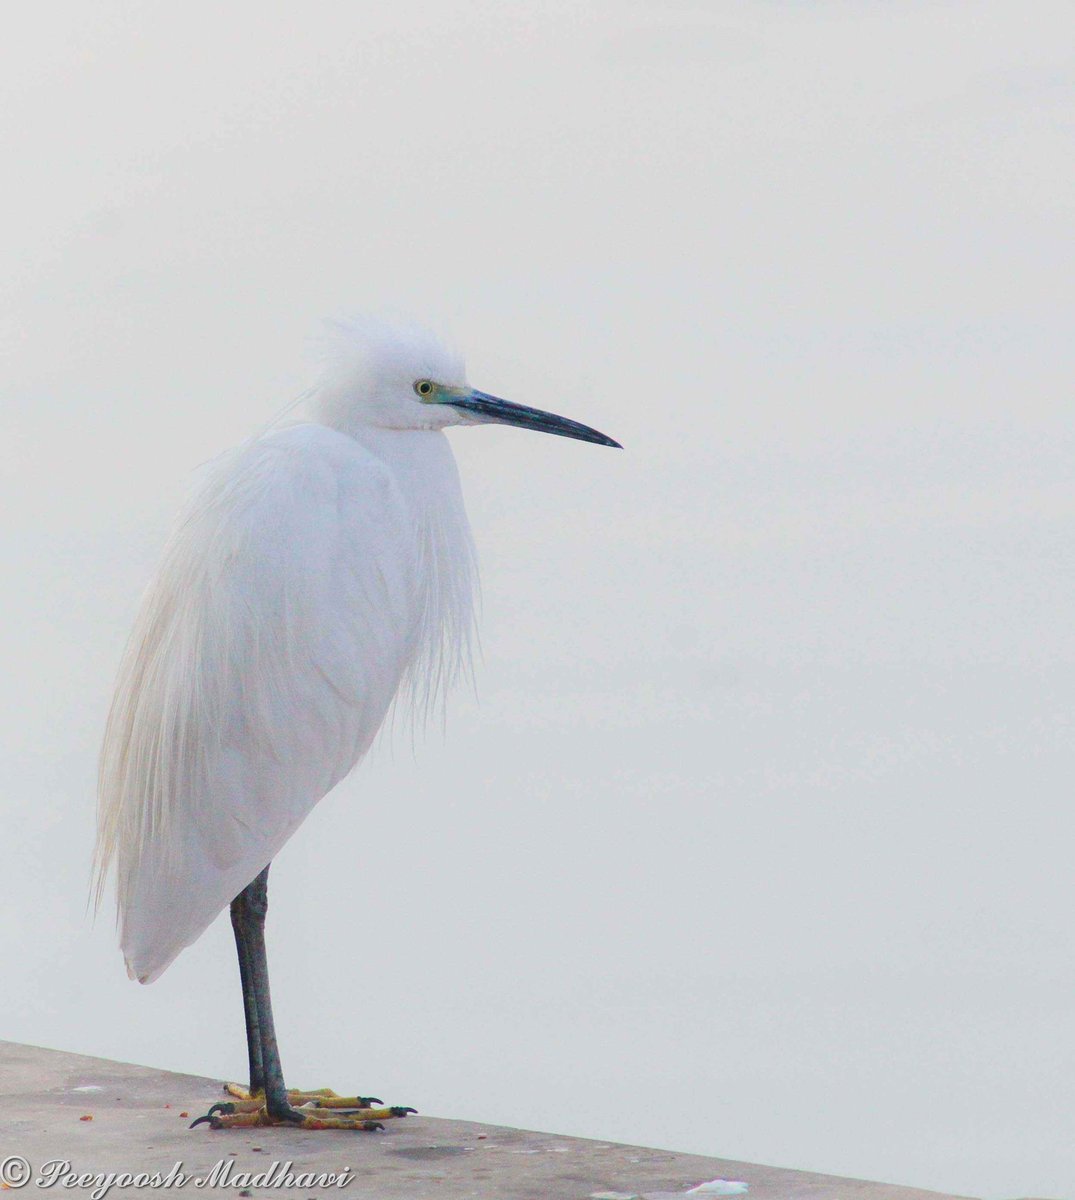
<point>265,657</point>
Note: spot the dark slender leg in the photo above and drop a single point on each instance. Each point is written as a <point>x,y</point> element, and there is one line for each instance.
<point>248,915</point>
<point>322,1109</point>
<point>256,1074</point>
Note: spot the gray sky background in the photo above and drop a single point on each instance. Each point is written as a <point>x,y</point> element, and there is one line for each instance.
<point>757,840</point>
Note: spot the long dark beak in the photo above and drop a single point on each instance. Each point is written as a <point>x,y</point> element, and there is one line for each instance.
<point>501,412</point>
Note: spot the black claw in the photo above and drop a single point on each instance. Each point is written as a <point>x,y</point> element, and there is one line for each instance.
<point>369,1101</point>
<point>208,1119</point>
<point>221,1107</point>
<point>372,1126</point>
<point>399,1111</point>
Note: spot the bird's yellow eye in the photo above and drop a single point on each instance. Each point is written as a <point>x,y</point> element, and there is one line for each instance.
<point>424,388</point>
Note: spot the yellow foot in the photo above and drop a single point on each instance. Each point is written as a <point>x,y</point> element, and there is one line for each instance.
<point>322,1097</point>
<point>319,1109</point>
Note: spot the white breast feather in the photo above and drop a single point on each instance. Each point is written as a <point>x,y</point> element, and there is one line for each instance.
<point>302,586</point>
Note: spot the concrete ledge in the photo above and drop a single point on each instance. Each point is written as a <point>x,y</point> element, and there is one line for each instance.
<point>139,1125</point>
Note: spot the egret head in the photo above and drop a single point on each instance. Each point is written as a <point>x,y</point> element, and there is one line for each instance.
<point>400,376</point>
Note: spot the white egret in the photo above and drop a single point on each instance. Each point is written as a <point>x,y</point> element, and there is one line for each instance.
<point>318,571</point>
